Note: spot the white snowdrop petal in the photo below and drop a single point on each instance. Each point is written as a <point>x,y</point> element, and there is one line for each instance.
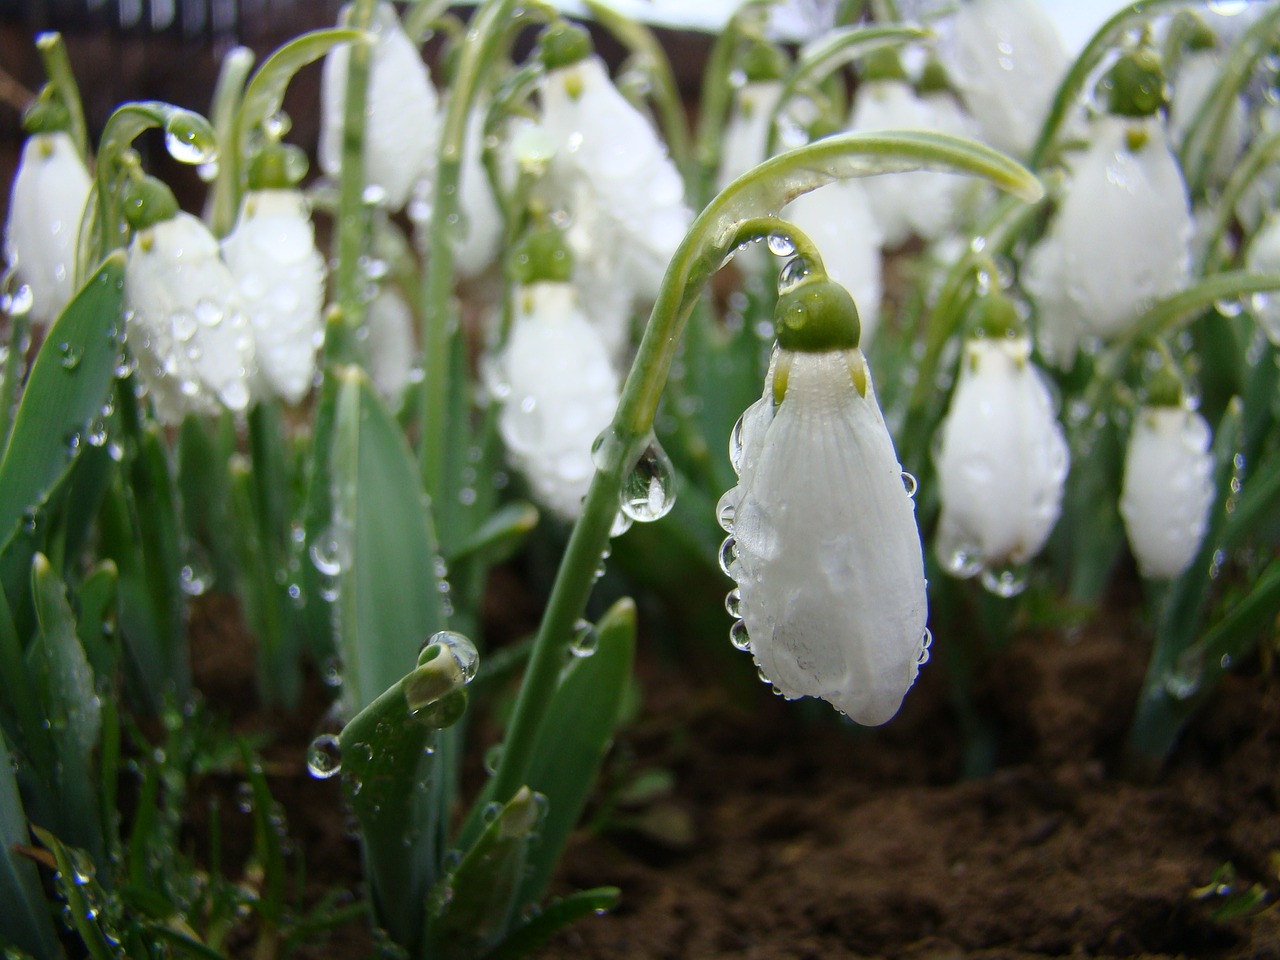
<point>1002,460</point>
<point>280,276</point>
<point>46,205</point>
<point>829,563</point>
<point>558,391</point>
<point>1168,489</point>
<point>1195,80</point>
<point>186,321</point>
<point>400,114</point>
<point>1007,60</point>
<point>747,133</point>
<point>1264,257</point>
<point>389,324</point>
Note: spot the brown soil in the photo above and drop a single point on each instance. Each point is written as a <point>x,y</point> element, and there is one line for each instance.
<point>784,834</point>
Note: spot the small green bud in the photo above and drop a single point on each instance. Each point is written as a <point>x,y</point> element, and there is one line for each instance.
<point>563,44</point>
<point>1135,86</point>
<point>148,201</point>
<point>883,64</point>
<point>277,166</point>
<point>994,316</point>
<point>543,255</point>
<point>817,315</point>
<point>763,61</point>
<point>46,114</point>
<point>934,78</point>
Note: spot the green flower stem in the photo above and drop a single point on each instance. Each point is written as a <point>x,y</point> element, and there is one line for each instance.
<point>419,19</point>
<point>224,114</point>
<point>759,193</point>
<point>353,214</point>
<point>57,67</point>
<point>1072,85</point>
<point>490,27</point>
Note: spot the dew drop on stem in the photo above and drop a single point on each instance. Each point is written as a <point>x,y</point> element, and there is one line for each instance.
<point>324,757</point>
<point>648,493</point>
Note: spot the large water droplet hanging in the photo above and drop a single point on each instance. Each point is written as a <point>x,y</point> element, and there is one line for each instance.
<point>779,245</point>
<point>189,138</point>
<point>739,637</point>
<point>459,647</point>
<point>926,641</point>
<point>726,510</point>
<point>586,640</point>
<point>648,493</point>
<point>18,303</point>
<point>324,757</point>
<point>621,524</point>
<point>729,557</point>
<point>735,447</point>
<point>792,274</point>
<point>1005,582</point>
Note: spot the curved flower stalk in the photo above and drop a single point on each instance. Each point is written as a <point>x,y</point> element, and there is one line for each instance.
<point>925,204</point>
<point>1121,238</point>
<point>279,274</point>
<point>614,178</point>
<point>823,539</point>
<point>401,125</point>
<point>1168,488</point>
<point>185,321</point>
<point>46,205</point>
<point>558,391</point>
<point>1006,59</point>
<point>1001,459</point>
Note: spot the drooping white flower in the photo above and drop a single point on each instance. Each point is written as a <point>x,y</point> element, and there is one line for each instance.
<point>1168,489</point>
<point>1263,256</point>
<point>280,276</point>
<point>46,205</point>
<point>390,342</point>
<point>400,112</point>
<point>824,545</point>
<point>747,131</point>
<point>613,177</point>
<point>558,391</point>
<point>837,217</point>
<point>923,203</point>
<point>1001,461</point>
<point>1195,80</point>
<point>1120,240</point>
<point>186,324</point>
<point>1007,60</point>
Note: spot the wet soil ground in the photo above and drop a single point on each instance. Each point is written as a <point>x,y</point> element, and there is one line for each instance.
<point>756,829</point>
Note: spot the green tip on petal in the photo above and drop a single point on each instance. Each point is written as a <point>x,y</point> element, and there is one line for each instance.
<point>278,166</point>
<point>1135,86</point>
<point>995,317</point>
<point>934,78</point>
<point>817,315</point>
<point>883,64</point>
<point>542,256</point>
<point>148,201</point>
<point>563,44</point>
<point>46,114</point>
<point>763,61</point>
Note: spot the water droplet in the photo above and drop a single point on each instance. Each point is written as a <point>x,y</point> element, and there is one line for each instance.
<point>327,552</point>
<point>729,557</point>
<point>735,447</point>
<point>585,640</point>
<point>96,433</point>
<point>374,196</point>
<point>194,576</point>
<point>71,354</point>
<point>621,524</point>
<point>1183,681</point>
<point>733,603</point>
<point>909,482</point>
<point>1229,308</point>
<point>738,636</point>
<point>459,647</point>
<point>1004,582</point>
<point>648,493</point>
<point>792,274</point>
<point>189,139</point>
<point>20,302</point>
<point>492,757</point>
<point>726,510</point>
<point>490,812</point>
<point>324,757</point>
<point>71,444</point>
<point>926,641</point>
<point>779,245</point>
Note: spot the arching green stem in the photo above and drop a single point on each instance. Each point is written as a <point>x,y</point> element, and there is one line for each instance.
<point>57,67</point>
<point>1262,155</point>
<point>740,212</point>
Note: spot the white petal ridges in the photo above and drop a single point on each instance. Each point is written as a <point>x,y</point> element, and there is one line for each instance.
<point>186,323</point>
<point>923,203</point>
<point>400,111</point>
<point>1001,461</point>
<point>611,168</point>
<point>1007,60</point>
<point>280,275</point>
<point>1122,235</point>
<point>558,392</point>
<point>825,546</point>
<point>838,218</point>
<point>1168,489</point>
<point>46,206</point>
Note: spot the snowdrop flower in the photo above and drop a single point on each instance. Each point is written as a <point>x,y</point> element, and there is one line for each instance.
<point>610,173</point>
<point>1168,488</point>
<point>1121,238</point>
<point>1007,60</point>
<point>823,539</point>
<point>390,341</point>
<point>747,132</point>
<point>558,391</point>
<point>185,321</point>
<point>1001,457</point>
<point>280,277</point>
<point>1263,256</point>
<point>400,111</point>
<point>1194,81</point>
<point>923,203</point>
<point>46,205</point>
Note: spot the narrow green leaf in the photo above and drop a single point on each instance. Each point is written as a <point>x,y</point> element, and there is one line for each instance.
<point>66,390</point>
<point>66,684</point>
<point>500,536</point>
<point>25,920</point>
<point>576,734</point>
<point>267,847</point>
<point>74,880</point>
<point>266,89</point>
<point>382,545</point>
<point>556,914</point>
<point>20,701</point>
<point>96,601</point>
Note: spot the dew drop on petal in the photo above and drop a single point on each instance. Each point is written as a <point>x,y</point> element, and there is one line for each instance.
<point>739,638</point>
<point>729,557</point>
<point>726,510</point>
<point>1004,582</point>
<point>324,757</point>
